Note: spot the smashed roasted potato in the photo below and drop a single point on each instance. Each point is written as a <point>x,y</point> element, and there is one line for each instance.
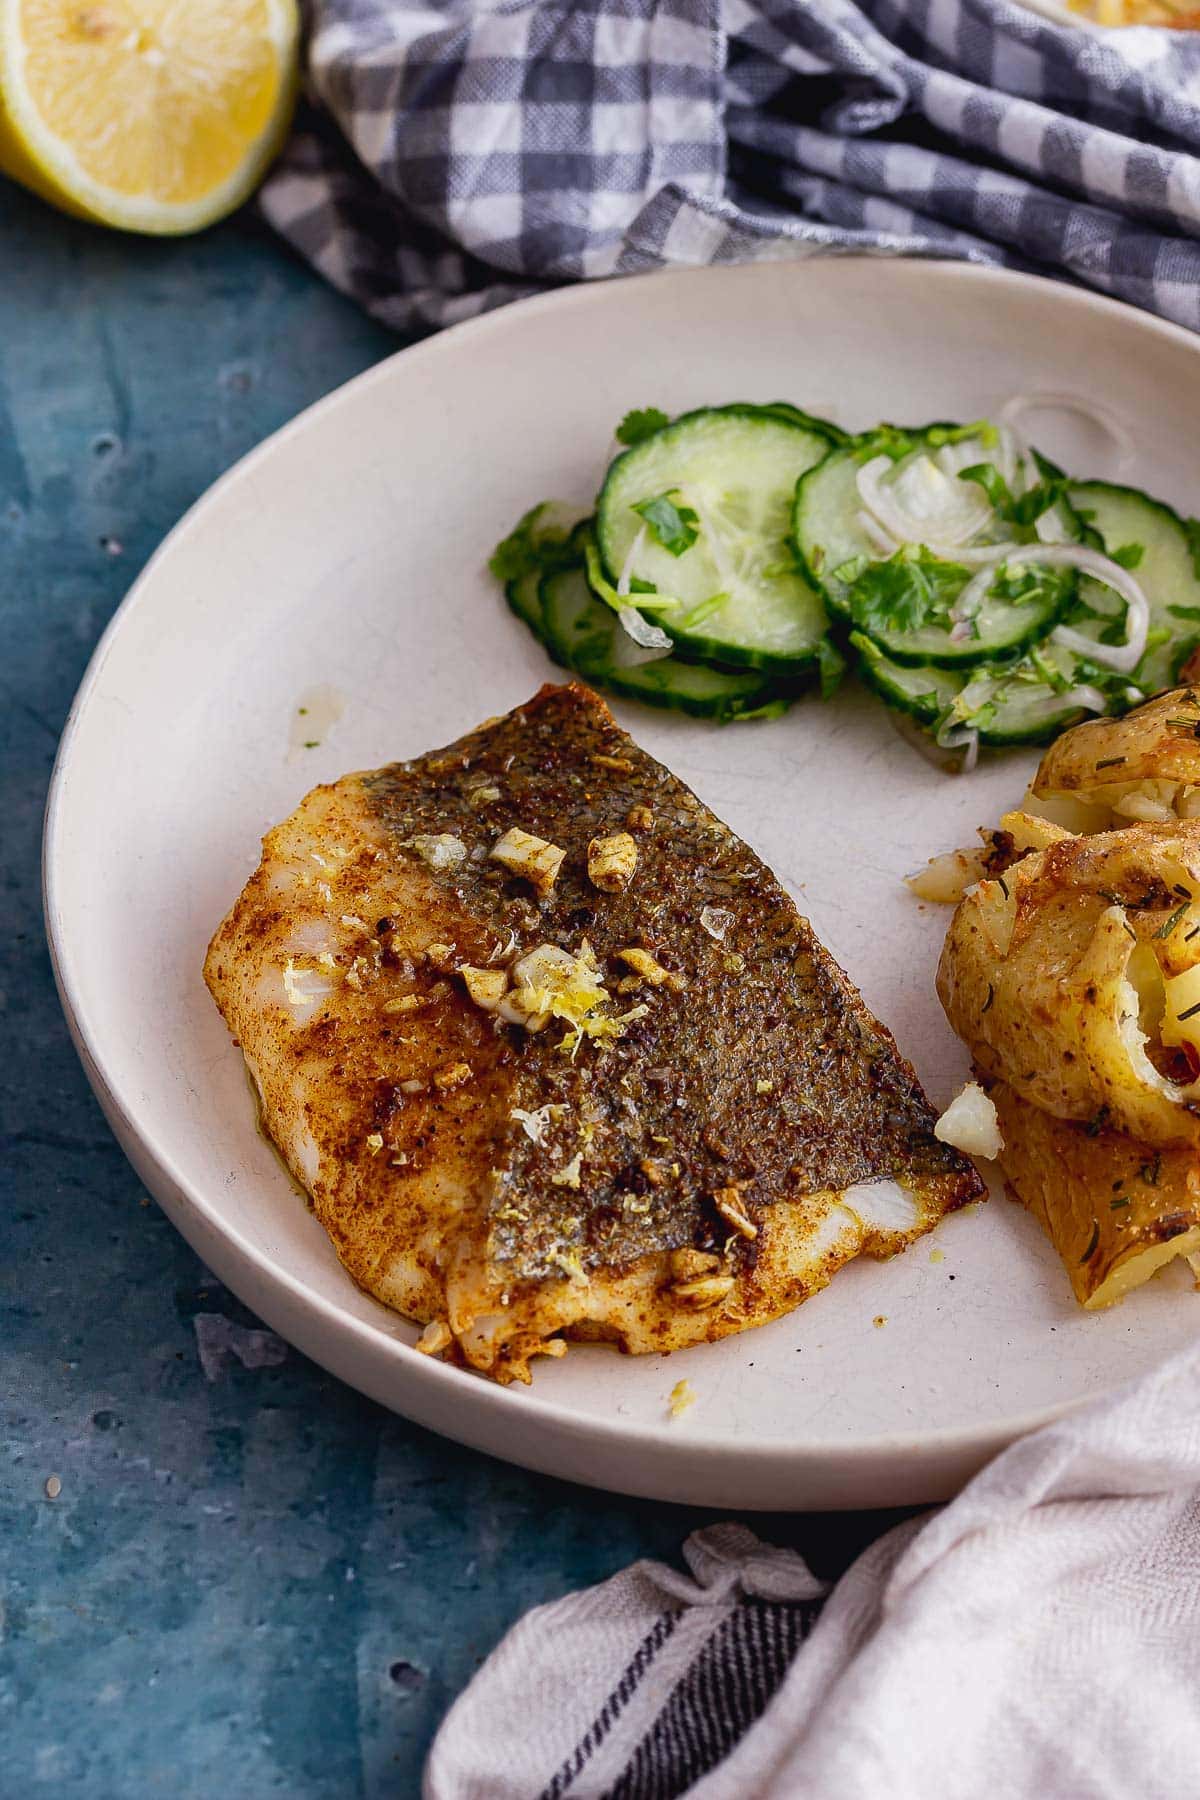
<point>1115,1210</point>
<point>1109,773</point>
<point>1065,977</point>
<point>1071,970</point>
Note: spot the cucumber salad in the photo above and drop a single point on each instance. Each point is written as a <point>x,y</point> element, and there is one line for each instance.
<point>740,555</point>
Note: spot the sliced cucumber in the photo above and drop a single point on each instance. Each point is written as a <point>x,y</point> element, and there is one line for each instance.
<point>581,632</point>
<point>576,629</point>
<point>1166,572</point>
<point>1017,706</point>
<point>865,582</point>
<point>825,521</point>
<point>1026,700</point>
<point>733,594</point>
<point>524,598</point>
<point>828,517</point>
<point>721,694</point>
<point>796,415</point>
<point>1010,704</point>
<point>920,689</point>
<point>1001,626</point>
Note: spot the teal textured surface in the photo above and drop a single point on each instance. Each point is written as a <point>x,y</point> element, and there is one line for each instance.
<point>249,1581</point>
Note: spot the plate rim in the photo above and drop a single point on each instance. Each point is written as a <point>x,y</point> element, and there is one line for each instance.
<point>963,1442</point>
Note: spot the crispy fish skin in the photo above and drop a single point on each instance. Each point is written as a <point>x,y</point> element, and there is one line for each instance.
<point>678,1176</point>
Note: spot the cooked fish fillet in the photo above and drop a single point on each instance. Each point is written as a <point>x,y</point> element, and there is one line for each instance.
<point>553,1052</point>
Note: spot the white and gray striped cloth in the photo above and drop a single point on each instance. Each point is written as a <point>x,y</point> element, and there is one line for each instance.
<point>1035,1640</point>
<point>464,153</point>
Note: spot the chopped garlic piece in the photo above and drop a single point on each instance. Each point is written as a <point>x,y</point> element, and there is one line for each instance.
<point>549,964</point>
<point>639,818</point>
<point>435,1338</point>
<point>649,968</point>
<point>683,1395</point>
<point>705,1291</point>
<point>455,1075</point>
<point>407,1003</point>
<point>571,1175</point>
<point>303,987</point>
<point>531,857</point>
<point>549,982</point>
<point>728,1202</point>
<point>970,1124</point>
<point>612,862</point>
<point>487,987</point>
<point>483,796</point>
<point>440,849</point>
<point>716,920</point>
<point>687,1263</point>
<point>621,764</point>
<point>764,1087</point>
<point>534,1123</point>
<point>375,1142</point>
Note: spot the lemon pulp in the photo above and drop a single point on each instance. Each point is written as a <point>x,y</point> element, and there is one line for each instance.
<point>157,115</point>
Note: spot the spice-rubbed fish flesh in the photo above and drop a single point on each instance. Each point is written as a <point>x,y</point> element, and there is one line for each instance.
<point>555,1055</point>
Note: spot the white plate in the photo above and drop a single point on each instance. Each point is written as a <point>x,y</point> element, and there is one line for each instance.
<point>349,550</point>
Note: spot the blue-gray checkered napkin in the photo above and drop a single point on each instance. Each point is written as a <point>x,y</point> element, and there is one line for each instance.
<point>457,155</point>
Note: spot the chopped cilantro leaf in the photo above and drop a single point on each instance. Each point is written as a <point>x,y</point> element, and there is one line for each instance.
<point>674,525</point>
<point>1053,677</point>
<point>983,429</point>
<point>988,477</point>
<point>1129,555</point>
<point>885,440</point>
<point>904,592</point>
<point>526,549</point>
<point>641,423</point>
<point>1024,582</point>
<point>1021,511</point>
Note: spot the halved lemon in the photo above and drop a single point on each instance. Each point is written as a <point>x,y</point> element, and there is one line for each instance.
<point>152,115</point>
